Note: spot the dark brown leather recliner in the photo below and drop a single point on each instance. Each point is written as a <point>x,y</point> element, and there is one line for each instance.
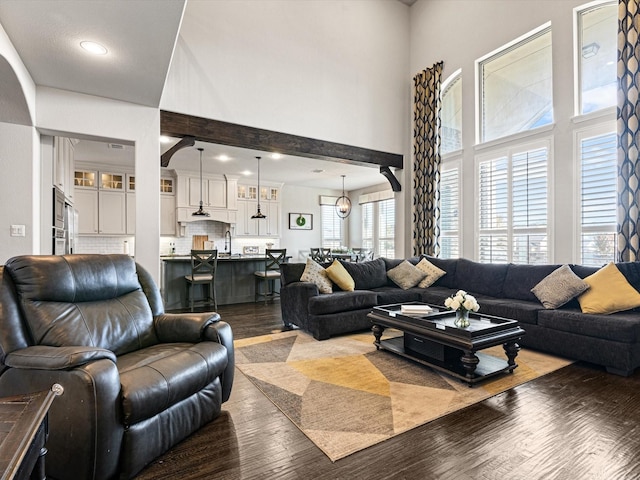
<point>136,380</point>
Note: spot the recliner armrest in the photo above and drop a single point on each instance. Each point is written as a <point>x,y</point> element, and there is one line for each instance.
<point>221,332</point>
<point>183,327</point>
<point>41,357</point>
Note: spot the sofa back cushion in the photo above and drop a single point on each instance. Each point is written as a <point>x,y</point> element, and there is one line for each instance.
<point>367,275</point>
<point>291,272</point>
<point>92,300</point>
<point>482,278</point>
<point>520,279</point>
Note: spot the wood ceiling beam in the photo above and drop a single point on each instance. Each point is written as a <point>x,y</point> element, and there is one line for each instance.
<point>214,131</point>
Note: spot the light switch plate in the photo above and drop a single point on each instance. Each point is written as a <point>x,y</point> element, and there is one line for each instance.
<point>18,230</point>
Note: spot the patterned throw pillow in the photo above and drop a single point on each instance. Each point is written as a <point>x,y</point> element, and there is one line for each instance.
<point>339,275</point>
<point>314,273</point>
<point>406,275</point>
<point>433,273</point>
<point>609,292</point>
<point>559,287</point>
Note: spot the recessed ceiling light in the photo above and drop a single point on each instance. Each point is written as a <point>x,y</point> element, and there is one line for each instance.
<point>93,47</point>
<point>276,156</point>
<point>246,173</point>
<point>317,170</point>
<point>223,158</point>
<point>165,139</point>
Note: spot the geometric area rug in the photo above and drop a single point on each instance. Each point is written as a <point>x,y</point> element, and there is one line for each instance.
<point>345,395</point>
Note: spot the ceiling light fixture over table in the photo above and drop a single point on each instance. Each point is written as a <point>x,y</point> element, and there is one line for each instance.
<point>343,203</point>
<point>93,47</point>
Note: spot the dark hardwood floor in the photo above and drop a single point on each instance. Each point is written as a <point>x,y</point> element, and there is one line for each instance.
<point>577,423</point>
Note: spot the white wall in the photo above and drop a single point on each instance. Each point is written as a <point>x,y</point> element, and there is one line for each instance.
<point>461,31</point>
<point>74,114</point>
<point>19,197</point>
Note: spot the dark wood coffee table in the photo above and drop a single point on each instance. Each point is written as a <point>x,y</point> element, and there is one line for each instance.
<point>432,339</point>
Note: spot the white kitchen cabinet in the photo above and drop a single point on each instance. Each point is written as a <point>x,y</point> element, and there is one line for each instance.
<point>112,212</point>
<point>63,166</point>
<point>86,204</point>
<point>167,215</point>
<point>214,192</point>
<point>131,213</point>
<point>272,211</point>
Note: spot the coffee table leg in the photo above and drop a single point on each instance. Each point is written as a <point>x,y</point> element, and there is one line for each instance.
<point>469,362</point>
<point>511,349</point>
<point>377,333</point>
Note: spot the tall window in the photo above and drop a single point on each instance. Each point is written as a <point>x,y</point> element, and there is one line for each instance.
<point>332,227</point>
<point>598,195</point>
<point>378,223</point>
<point>597,54</point>
<point>451,114</point>
<point>513,189</point>
<point>515,87</point>
<point>450,210</point>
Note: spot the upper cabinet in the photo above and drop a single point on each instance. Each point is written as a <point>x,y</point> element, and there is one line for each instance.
<point>247,196</point>
<point>63,165</point>
<point>218,194</point>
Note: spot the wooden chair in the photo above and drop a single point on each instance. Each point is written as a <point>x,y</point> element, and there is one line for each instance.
<point>267,277</point>
<point>315,255</point>
<point>204,264</point>
<point>325,255</point>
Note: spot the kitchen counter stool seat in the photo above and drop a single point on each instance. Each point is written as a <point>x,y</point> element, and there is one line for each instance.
<point>267,277</point>
<point>204,264</point>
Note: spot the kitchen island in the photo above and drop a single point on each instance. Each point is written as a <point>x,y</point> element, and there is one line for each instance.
<point>235,281</point>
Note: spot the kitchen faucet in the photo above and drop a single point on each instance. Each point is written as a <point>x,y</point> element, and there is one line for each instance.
<point>227,242</point>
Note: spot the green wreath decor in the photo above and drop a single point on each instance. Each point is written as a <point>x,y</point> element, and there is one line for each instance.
<point>300,221</point>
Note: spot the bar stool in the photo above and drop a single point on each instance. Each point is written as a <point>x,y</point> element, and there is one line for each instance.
<point>270,274</point>
<point>204,264</point>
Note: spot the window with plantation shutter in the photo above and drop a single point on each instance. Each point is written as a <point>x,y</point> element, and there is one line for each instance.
<point>598,195</point>
<point>331,227</point>
<point>450,210</point>
<point>367,225</point>
<point>513,206</point>
<point>386,228</point>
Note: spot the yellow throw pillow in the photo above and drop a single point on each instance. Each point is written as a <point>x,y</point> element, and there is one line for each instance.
<point>609,292</point>
<point>339,275</point>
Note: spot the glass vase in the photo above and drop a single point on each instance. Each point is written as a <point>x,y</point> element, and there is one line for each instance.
<point>462,318</point>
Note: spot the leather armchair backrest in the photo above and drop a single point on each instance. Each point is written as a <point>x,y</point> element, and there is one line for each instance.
<point>13,332</point>
<point>93,300</point>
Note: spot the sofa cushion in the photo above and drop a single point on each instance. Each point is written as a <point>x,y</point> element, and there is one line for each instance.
<point>609,292</point>
<point>342,302</point>
<point>406,275</point>
<point>484,278</point>
<point>433,273</point>
<point>315,273</point>
<point>559,287</point>
<point>291,272</point>
<point>339,275</point>
<point>523,311</point>
<point>620,327</point>
<point>388,295</point>
<point>155,378</point>
<point>436,295</point>
<point>520,279</point>
<point>367,275</point>
<point>448,265</point>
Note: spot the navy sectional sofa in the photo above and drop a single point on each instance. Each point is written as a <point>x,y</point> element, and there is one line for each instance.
<point>503,290</point>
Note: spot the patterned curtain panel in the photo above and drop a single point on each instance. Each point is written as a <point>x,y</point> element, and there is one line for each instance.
<point>628,131</point>
<point>426,162</point>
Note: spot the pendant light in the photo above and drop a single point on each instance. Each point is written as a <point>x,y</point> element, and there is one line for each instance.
<point>258,214</point>
<point>343,204</point>
<point>200,212</point>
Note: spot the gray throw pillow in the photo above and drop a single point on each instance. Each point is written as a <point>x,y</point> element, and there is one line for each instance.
<point>406,275</point>
<point>559,287</point>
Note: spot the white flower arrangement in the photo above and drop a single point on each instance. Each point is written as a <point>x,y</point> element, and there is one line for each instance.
<point>462,301</point>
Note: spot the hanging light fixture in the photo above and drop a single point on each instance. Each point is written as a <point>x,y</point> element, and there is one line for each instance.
<point>200,212</point>
<point>258,214</point>
<point>343,203</point>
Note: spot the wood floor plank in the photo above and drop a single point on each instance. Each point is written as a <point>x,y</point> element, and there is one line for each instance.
<point>576,423</point>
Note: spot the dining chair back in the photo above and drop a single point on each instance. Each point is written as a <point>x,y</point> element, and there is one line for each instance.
<point>204,264</point>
